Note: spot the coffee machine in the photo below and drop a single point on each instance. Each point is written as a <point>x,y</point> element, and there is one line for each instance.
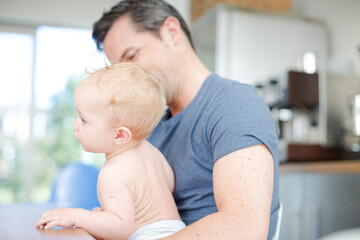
<point>320,118</point>
<point>297,116</point>
<point>352,135</point>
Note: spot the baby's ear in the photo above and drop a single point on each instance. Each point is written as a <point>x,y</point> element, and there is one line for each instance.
<point>122,135</point>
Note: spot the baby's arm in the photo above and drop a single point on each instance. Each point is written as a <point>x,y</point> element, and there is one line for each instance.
<point>116,221</point>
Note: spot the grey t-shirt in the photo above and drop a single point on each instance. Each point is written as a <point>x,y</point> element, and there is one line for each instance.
<point>224,116</point>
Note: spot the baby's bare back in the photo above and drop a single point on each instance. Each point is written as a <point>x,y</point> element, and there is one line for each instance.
<point>150,181</point>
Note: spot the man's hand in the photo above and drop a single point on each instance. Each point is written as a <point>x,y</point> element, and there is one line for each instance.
<point>63,217</point>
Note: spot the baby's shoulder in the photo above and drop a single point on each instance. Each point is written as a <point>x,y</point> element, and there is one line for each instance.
<point>152,152</point>
<point>117,169</point>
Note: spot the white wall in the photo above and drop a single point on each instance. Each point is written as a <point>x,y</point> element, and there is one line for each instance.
<point>79,13</point>
<point>342,18</point>
<point>256,47</point>
<point>68,13</point>
<point>183,6</point>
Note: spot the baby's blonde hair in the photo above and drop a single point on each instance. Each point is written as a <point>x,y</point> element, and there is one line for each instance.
<point>135,98</point>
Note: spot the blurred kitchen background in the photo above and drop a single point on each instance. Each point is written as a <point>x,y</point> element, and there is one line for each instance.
<point>303,57</point>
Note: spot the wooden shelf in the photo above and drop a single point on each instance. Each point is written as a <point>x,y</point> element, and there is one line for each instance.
<point>200,7</point>
<point>338,167</point>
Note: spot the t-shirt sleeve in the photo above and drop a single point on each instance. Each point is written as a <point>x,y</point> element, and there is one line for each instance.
<point>239,118</point>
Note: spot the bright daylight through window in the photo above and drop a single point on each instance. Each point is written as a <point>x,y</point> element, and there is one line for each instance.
<point>39,74</point>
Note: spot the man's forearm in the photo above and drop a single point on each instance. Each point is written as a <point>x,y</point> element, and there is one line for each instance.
<point>243,183</point>
<point>226,225</point>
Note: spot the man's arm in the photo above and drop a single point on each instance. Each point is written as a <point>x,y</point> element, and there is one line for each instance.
<point>243,185</point>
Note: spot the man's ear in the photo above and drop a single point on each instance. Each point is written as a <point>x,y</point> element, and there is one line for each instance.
<point>172,29</point>
<point>122,135</point>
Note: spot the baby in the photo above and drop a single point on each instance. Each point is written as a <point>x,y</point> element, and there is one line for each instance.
<point>117,108</point>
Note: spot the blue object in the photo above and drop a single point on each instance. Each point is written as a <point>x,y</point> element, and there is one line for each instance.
<point>225,116</point>
<point>75,186</point>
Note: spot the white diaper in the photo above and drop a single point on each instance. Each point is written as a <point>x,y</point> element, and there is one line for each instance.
<point>158,230</point>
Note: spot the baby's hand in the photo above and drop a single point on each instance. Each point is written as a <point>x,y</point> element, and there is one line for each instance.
<point>63,217</point>
<point>97,209</point>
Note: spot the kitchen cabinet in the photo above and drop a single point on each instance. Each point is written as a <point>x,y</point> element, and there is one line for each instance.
<point>319,198</point>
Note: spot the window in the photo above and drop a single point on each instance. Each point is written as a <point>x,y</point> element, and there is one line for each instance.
<point>40,71</point>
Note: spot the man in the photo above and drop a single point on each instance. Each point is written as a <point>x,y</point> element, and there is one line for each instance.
<point>218,135</point>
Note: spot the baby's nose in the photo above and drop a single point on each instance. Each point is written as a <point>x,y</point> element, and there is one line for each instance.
<point>75,124</point>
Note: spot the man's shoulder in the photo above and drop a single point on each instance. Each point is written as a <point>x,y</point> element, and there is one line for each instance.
<point>224,92</point>
<point>228,88</point>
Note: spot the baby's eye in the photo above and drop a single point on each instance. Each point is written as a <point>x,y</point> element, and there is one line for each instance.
<point>82,120</point>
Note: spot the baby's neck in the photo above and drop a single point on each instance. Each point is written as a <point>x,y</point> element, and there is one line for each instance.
<point>122,149</point>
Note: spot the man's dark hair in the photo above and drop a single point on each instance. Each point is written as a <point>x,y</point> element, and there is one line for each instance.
<point>147,15</point>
